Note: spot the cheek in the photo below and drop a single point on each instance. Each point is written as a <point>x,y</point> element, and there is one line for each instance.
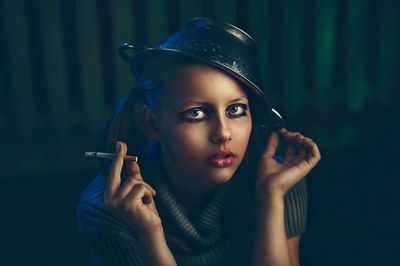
<point>241,134</point>
<point>187,141</point>
<point>242,129</point>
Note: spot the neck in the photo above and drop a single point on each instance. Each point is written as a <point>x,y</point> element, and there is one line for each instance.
<point>189,194</point>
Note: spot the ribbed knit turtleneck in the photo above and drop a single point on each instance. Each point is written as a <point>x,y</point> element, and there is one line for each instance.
<point>218,233</point>
<point>207,234</point>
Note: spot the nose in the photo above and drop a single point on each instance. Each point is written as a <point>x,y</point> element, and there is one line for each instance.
<point>221,132</point>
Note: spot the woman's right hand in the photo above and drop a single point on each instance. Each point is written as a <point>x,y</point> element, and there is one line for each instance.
<point>132,201</point>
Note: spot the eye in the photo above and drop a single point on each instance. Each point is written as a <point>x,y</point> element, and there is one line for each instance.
<point>237,110</point>
<point>194,114</point>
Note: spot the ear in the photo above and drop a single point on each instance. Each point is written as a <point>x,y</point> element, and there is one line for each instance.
<point>151,123</point>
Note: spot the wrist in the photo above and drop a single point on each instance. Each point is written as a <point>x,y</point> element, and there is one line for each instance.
<point>268,195</point>
<point>153,236</point>
<point>155,250</point>
<point>269,199</point>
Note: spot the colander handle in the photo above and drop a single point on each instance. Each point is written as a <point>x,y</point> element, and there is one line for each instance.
<point>277,122</point>
<point>133,47</point>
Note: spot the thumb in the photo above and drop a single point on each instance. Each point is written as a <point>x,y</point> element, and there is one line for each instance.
<point>271,146</point>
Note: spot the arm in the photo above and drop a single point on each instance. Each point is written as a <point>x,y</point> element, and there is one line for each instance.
<point>117,251</point>
<point>271,246</point>
<point>155,250</point>
<point>271,217</point>
<point>293,244</point>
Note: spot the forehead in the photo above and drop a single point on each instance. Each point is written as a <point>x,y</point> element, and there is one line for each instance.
<point>205,82</point>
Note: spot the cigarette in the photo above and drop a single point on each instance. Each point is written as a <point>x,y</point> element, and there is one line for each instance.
<point>103,155</point>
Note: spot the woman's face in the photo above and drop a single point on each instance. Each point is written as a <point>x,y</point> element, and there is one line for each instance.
<point>205,125</point>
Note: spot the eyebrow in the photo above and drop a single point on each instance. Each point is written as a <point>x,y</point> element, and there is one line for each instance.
<point>181,102</point>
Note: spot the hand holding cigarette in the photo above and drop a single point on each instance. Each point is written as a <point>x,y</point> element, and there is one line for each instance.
<point>131,199</point>
<point>103,155</point>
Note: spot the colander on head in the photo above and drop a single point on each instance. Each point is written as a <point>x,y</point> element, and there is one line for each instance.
<point>215,43</point>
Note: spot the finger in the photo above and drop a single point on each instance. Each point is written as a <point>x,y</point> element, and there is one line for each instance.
<point>292,136</point>
<point>306,163</point>
<point>314,154</point>
<point>132,170</point>
<point>139,195</point>
<point>114,175</point>
<point>301,151</point>
<point>271,146</point>
<point>298,171</point>
<point>290,146</point>
<point>128,185</point>
<point>283,131</point>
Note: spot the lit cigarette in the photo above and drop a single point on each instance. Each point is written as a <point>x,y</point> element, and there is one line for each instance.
<point>111,156</point>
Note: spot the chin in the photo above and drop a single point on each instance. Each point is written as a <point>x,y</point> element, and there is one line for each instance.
<point>220,176</point>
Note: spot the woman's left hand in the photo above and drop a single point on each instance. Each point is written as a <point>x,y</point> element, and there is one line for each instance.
<point>301,155</point>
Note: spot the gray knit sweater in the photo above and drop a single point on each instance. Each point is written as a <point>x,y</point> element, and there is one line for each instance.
<point>219,233</point>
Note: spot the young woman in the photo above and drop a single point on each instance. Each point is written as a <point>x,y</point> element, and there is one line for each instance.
<point>209,188</point>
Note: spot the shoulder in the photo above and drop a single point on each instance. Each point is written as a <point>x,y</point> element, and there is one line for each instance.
<point>92,217</point>
<point>91,198</point>
<point>90,208</point>
<point>93,192</point>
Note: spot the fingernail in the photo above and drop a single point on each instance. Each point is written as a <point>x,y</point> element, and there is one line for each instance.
<point>147,200</point>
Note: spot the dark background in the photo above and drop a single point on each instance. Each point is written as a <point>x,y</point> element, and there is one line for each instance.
<point>331,67</point>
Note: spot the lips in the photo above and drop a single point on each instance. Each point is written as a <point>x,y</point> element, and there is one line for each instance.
<point>222,158</point>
